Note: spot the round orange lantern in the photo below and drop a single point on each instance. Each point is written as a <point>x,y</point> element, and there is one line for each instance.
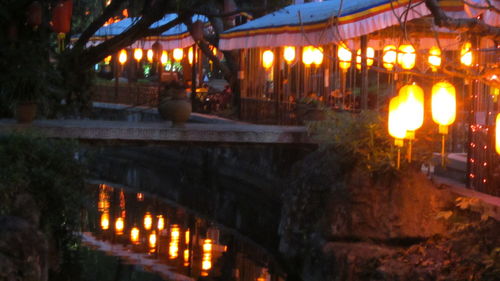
<point>164,57</point>
<point>289,54</point>
<point>267,59</point>
<point>178,54</point>
<point>434,58</point>
<point>345,57</point>
<point>318,56</point>
<point>389,57</point>
<point>466,54</point>
<point>406,56</point>
<point>308,55</point>
<point>138,54</point>
<point>122,56</point>
<point>149,55</point>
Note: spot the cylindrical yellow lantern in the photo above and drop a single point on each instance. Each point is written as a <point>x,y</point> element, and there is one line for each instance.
<point>137,54</point>
<point>134,235</point>
<point>289,54</point>
<point>412,102</point>
<point>308,55</point>
<point>148,221</point>
<point>444,105</point>
<point>434,58</point>
<point>318,56</point>
<point>406,56</point>
<point>190,55</point>
<point>178,54</point>
<point>466,54</point>
<point>122,57</point>
<point>267,59</point>
<point>497,134</point>
<point>149,55</point>
<point>389,57</point>
<point>370,54</point>
<point>345,57</point>
<point>396,126</point>
<point>164,57</point>
<point>119,225</point>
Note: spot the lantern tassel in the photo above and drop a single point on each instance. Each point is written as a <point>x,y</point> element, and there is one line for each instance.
<point>60,41</point>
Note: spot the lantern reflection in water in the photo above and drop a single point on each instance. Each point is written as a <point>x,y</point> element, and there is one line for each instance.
<point>148,221</point>
<point>173,247</point>
<point>186,257</point>
<point>152,242</point>
<point>105,221</point>
<point>134,235</point>
<point>161,223</point>
<point>119,225</point>
<point>206,262</point>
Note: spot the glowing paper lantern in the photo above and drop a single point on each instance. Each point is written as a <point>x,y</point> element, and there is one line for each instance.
<point>412,104</point>
<point>186,237</point>
<point>148,221</point>
<point>434,58</point>
<point>396,126</point>
<point>190,55</point>
<point>138,54</point>
<point>105,221</point>
<point>370,54</point>
<point>389,57</point>
<point>178,54</point>
<point>318,56</point>
<point>122,57</point>
<point>497,134</point>
<point>466,54</point>
<point>164,57</point>
<point>134,235</point>
<point>345,57</point>
<point>149,55</point>
<point>444,105</point>
<point>308,55</point>
<point>406,56</point>
<point>119,225</point>
<point>267,59</point>
<point>161,223</point>
<point>289,54</point>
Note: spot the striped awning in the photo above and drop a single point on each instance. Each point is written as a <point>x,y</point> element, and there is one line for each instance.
<point>327,22</point>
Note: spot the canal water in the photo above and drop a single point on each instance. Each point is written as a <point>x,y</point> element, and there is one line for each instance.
<point>154,239</point>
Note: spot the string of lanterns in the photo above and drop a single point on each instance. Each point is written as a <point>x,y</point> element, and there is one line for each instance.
<point>138,54</point>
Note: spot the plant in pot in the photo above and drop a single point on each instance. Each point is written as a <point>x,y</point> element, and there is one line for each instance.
<point>174,105</point>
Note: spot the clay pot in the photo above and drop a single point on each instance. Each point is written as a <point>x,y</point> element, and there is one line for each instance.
<point>176,109</point>
<point>25,112</point>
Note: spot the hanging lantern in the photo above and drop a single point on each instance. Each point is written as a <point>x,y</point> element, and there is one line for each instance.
<point>389,57</point>
<point>149,55</point>
<point>370,54</point>
<point>122,56</point>
<point>34,14</point>
<point>119,225</point>
<point>178,54</point>
<point>161,223</point>
<point>267,59</point>
<point>497,134</point>
<point>412,104</point>
<point>434,58</point>
<point>318,56</point>
<point>289,54</point>
<point>107,59</point>
<point>444,105</point>
<point>190,55</point>
<point>406,56</point>
<point>308,55</point>
<point>345,57</point>
<point>105,221</point>
<point>466,54</point>
<point>61,16</point>
<point>164,57</point>
<point>134,235</point>
<point>148,221</point>
<point>138,54</point>
<point>396,126</point>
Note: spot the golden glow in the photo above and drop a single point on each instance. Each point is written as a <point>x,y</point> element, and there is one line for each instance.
<point>105,221</point>
<point>149,55</point>
<point>308,55</point>
<point>140,197</point>
<point>206,262</point>
<point>107,59</point>
<point>138,54</point>
<point>412,105</point>
<point>214,50</point>
<point>178,54</point>
<point>119,225</point>
<point>186,257</point>
<point>466,54</point>
<point>187,237</point>
<point>148,221</point>
<point>190,55</point>
<point>345,57</point>
<point>103,203</point>
<point>434,58</point>
<point>370,54</point>
<point>152,240</point>
<point>164,57</point>
<point>497,134</point>
<point>444,105</point>
<point>389,57</point>
<point>134,235</point>
<point>396,126</point>
<point>406,56</point>
<point>318,56</point>
<point>173,248</point>
<point>161,222</point>
<point>267,59</point>
<point>289,54</point>
<point>122,57</point>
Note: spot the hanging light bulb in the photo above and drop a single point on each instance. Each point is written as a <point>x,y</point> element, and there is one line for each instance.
<point>466,54</point>
<point>345,57</point>
<point>164,57</point>
<point>178,54</point>
<point>308,55</point>
<point>190,55</point>
<point>119,225</point>
<point>434,58</point>
<point>267,59</point>
<point>122,57</point>
<point>389,57</point>
<point>406,56</point>
<point>318,56</point>
<point>444,107</point>
<point>149,55</point>
<point>138,54</point>
<point>289,54</point>
<point>497,134</point>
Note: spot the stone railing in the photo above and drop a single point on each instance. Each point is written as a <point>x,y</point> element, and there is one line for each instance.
<point>127,93</point>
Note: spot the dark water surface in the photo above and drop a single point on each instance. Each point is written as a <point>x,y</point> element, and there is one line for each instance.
<point>150,234</point>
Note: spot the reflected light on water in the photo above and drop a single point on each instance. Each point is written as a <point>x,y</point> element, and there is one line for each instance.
<point>105,221</point>
<point>119,225</point>
<point>187,236</point>
<point>152,242</point>
<point>186,257</point>
<point>173,248</point>
<point>148,221</point>
<point>134,235</point>
<point>206,263</point>
<point>161,222</point>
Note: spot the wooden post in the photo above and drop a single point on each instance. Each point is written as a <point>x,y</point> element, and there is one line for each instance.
<point>364,73</point>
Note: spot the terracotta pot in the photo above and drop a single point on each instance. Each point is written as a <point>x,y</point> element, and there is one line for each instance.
<point>175,110</point>
<point>25,112</point>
